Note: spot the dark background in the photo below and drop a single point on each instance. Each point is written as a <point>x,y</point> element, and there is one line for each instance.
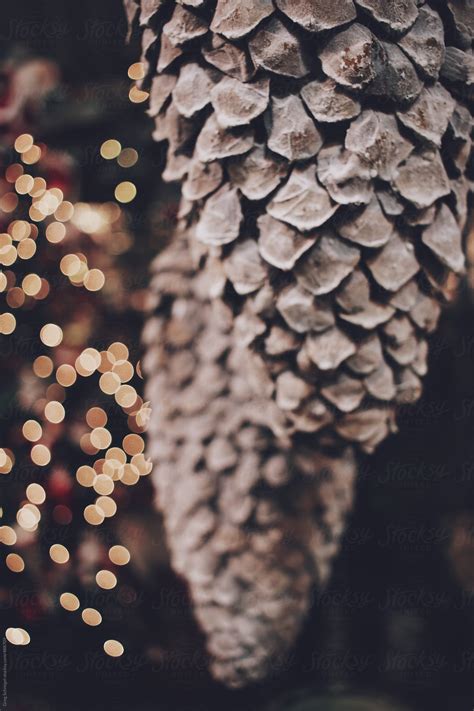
<point>397,619</point>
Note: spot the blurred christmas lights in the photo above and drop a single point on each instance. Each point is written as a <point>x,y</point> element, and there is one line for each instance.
<point>41,216</point>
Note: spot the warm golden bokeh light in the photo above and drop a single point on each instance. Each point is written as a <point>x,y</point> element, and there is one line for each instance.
<point>119,555</point>
<point>106,505</point>
<point>15,563</point>
<point>35,494</point>
<point>43,366</point>
<point>54,412</point>
<point>23,142</point>
<point>93,515</point>
<point>110,149</point>
<point>19,636</point>
<point>113,648</point>
<point>103,485</point>
<point>91,616</point>
<point>133,444</point>
<point>69,601</point>
<point>109,383</point>
<point>137,96</point>
<point>59,553</point>
<point>55,232</point>
<point>7,535</point>
<point>86,476</point>
<point>40,455</point>
<point>66,375</point>
<point>32,430</point>
<point>106,580</point>
<point>94,280</point>
<point>135,71</point>
<point>51,335</point>
<point>96,417</point>
<point>125,191</point>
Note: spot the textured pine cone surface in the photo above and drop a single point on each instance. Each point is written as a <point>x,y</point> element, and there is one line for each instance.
<point>252,522</point>
<point>324,152</point>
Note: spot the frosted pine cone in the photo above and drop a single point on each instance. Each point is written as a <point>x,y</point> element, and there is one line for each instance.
<point>252,523</point>
<point>323,150</point>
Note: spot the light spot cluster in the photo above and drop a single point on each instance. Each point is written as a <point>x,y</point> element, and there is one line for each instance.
<point>48,221</point>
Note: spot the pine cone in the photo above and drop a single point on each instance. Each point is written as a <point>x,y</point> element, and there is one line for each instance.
<point>252,522</point>
<point>323,150</point>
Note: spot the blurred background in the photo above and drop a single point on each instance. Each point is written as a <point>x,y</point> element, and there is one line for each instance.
<point>394,628</point>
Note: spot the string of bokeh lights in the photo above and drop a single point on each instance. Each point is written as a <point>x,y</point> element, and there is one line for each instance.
<point>41,213</point>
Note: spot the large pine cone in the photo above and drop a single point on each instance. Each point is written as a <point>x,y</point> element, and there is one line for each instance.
<point>252,522</point>
<point>324,150</point>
